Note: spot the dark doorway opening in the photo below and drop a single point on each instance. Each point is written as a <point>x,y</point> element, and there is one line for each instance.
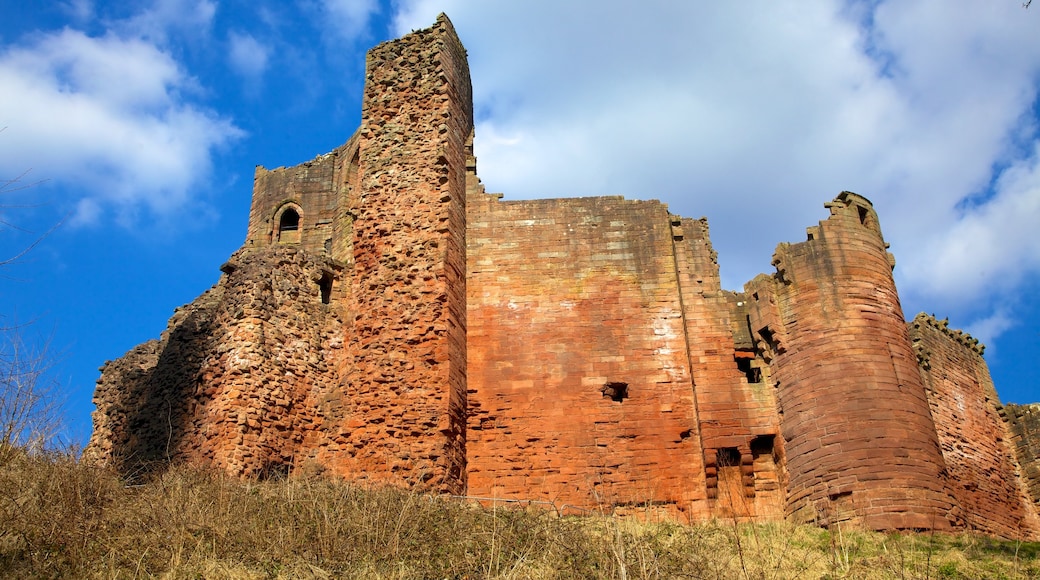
<point>325,285</point>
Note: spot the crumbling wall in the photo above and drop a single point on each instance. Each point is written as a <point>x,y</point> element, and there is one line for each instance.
<point>1024,422</point>
<point>356,365</point>
<point>237,379</point>
<point>974,437</point>
<point>859,440</point>
<point>603,367</point>
<point>407,377</point>
<point>314,194</point>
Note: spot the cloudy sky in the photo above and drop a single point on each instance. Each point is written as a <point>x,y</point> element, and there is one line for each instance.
<point>134,128</point>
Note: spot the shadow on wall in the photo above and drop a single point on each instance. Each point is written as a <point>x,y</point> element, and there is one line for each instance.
<point>157,404</point>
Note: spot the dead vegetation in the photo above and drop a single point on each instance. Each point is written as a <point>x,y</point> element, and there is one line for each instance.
<point>59,518</point>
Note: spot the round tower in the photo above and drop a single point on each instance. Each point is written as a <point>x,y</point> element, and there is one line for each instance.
<point>860,442</point>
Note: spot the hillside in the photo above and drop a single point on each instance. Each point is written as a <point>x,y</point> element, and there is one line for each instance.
<point>59,518</point>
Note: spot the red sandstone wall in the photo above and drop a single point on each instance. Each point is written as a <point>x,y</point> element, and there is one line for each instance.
<point>568,298</point>
<point>860,442</point>
<point>405,393</point>
<point>606,368</point>
<point>317,190</point>
<point>292,362</point>
<point>974,437</point>
<point>1024,422</point>
<point>737,417</point>
<point>238,380</point>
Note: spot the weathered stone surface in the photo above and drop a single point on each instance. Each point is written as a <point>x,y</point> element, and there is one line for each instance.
<point>976,443</point>
<point>858,437</point>
<point>238,378</point>
<point>1024,422</point>
<point>388,320</point>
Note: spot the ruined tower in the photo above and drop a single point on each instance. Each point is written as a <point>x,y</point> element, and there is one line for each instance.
<point>389,321</point>
<point>335,339</point>
<point>860,440</point>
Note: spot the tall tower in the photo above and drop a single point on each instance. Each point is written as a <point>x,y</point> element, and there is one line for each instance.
<point>861,444</point>
<point>408,345</point>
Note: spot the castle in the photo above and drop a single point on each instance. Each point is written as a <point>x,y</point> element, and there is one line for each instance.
<point>389,321</point>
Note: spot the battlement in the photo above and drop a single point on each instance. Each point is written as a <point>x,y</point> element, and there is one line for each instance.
<point>963,338</point>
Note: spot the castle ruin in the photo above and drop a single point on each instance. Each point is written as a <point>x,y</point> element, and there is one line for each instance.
<point>389,321</point>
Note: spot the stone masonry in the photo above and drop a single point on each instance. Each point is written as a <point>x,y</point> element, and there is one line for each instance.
<point>387,320</point>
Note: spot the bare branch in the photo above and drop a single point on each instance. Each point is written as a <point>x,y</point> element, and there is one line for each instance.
<point>30,406</point>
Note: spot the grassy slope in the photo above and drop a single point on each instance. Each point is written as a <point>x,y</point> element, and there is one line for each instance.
<point>61,519</point>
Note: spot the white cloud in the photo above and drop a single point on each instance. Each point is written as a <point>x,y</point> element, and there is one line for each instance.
<point>990,248</point>
<point>988,328</point>
<point>191,18</point>
<point>347,19</point>
<point>106,116</point>
<point>80,10</point>
<point>248,56</point>
<point>709,108</point>
<point>754,115</point>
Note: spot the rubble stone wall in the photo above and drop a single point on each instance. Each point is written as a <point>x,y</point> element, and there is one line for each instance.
<point>236,378</point>
<point>408,337</point>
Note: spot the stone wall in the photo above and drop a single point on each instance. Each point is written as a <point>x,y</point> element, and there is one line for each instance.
<point>972,431</point>
<point>1024,423</point>
<point>389,321</point>
<point>580,388</point>
<point>238,379</point>
<point>335,340</point>
<point>407,341</point>
<point>736,404</point>
<point>317,192</point>
<point>859,440</point>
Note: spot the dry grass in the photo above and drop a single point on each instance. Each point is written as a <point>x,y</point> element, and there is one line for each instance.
<point>59,519</point>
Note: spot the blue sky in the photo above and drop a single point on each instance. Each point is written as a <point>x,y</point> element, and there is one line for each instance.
<point>142,122</point>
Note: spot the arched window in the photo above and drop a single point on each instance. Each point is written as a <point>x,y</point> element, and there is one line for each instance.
<point>290,221</point>
<point>289,226</point>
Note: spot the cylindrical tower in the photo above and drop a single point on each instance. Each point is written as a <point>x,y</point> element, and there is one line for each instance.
<point>860,441</point>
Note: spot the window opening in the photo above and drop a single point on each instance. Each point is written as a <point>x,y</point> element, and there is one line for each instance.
<point>325,285</point>
<point>290,221</point>
<point>863,214</point>
<point>744,359</point>
<point>762,445</point>
<point>615,391</point>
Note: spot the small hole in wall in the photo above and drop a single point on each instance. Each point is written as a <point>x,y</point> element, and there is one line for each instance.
<point>762,445</point>
<point>615,391</point>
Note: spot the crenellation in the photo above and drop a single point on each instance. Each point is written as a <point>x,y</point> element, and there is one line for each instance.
<point>389,321</point>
